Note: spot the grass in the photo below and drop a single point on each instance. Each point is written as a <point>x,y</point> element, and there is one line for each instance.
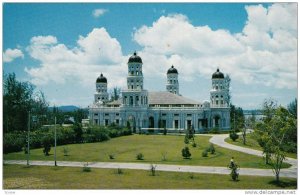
<point>252,143</point>
<point>43,177</point>
<point>155,148</point>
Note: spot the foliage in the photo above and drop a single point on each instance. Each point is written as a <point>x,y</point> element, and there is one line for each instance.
<point>14,142</point>
<point>120,171</point>
<point>186,139</point>
<point>272,134</point>
<point>111,156</point>
<point>194,144</point>
<point>46,143</point>
<point>205,153</point>
<point>215,130</point>
<point>233,135</point>
<point>165,131</point>
<point>211,149</point>
<point>115,94</point>
<point>237,118</point>
<point>186,153</point>
<point>18,99</point>
<point>292,108</point>
<point>153,169</point>
<point>86,168</point>
<point>140,156</point>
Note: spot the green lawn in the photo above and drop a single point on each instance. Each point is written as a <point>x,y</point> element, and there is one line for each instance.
<point>252,143</point>
<point>43,177</point>
<point>152,146</point>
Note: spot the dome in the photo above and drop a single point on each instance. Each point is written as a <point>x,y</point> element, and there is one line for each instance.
<point>135,58</point>
<point>172,70</point>
<point>101,79</point>
<point>218,75</point>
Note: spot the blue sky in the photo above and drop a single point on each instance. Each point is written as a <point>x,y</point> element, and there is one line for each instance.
<point>55,46</point>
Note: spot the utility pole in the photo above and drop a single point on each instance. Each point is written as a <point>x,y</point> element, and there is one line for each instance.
<point>28,140</point>
<point>55,141</point>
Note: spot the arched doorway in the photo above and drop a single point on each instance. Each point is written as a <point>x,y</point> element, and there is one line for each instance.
<point>216,121</point>
<point>151,122</point>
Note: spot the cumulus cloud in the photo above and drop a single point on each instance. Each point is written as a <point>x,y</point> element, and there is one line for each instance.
<point>11,54</point>
<point>95,53</point>
<point>99,12</point>
<point>265,52</point>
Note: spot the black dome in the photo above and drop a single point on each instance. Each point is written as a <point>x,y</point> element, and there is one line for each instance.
<point>172,70</point>
<point>101,79</point>
<point>218,75</point>
<point>135,58</point>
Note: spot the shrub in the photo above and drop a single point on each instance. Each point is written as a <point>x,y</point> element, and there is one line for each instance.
<point>205,153</point>
<point>46,142</point>
<point>119,171</point>
<point>111,156</point>
<point>233,135</point>
<point>140,156</point>
<point>191,176</point>
<point>186,139</point>
<point>194,145</point>
<point>13,142</point>
<point>165,131</point>
<point>86,168</point>
<point>214,130</point>
<point>186,153</point>
<point>66,151</point>
<point>211,149</point>
<point>152,169</point>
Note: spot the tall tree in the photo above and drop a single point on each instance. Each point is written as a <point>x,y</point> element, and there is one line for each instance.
<point>292,108</point>
<point>18,99</point>
<point>115,94</point>
<point>237,119</point>
<point>273,134</point>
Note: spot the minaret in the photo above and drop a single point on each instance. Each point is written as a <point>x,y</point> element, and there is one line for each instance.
<point>135,95</point>
<point>101,94</point>
<point>172,81</point>
<point>219,94</point>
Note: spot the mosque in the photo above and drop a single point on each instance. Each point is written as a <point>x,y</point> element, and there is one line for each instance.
<point>144,110</point>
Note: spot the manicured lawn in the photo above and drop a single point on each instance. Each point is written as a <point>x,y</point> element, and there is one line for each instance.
<point>252,143</point>
<point>153,147</point>
<point>43,177</point>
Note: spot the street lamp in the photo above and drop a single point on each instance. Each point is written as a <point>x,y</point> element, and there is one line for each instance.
<point>55,164</point>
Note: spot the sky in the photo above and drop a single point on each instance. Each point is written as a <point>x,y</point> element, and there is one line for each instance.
<point>63,47</point>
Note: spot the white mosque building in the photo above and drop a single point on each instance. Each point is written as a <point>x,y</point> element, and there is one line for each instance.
<point>145,110</point>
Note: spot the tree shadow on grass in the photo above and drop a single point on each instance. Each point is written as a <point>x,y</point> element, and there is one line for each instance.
<point>284,184</point>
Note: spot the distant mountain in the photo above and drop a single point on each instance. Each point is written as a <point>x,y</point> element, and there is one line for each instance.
<point>69,108</point>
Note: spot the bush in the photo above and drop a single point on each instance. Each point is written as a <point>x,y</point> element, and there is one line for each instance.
<point>186,153</point>
<point>211,149</point>
<point>47,140</point>
<point>205,153</point>
<point>152,169</point>
<point>214,130</point>
<point>86,168</point>
<point>186,139</point>
<point>140,156</point>
<point>233,135</point>
<point>119,171</point>
<point>194,145</point>
<point>13,142</point>
<point>111,156</point>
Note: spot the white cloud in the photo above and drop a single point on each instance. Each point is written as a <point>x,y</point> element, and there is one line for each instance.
<point>95,53</point>
<point>99,12</point>
<point>264,53</point>
<point>10,54</point>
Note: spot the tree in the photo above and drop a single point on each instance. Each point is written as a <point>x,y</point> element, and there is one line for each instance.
<point>186,152</point>
<point>237,118</point>
<point>292,108</point>
<point>115,94</point>
<point>272,134</point>
<point>227,86</point>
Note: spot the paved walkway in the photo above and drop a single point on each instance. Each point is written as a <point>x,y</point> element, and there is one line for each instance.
<point>216,139</point>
